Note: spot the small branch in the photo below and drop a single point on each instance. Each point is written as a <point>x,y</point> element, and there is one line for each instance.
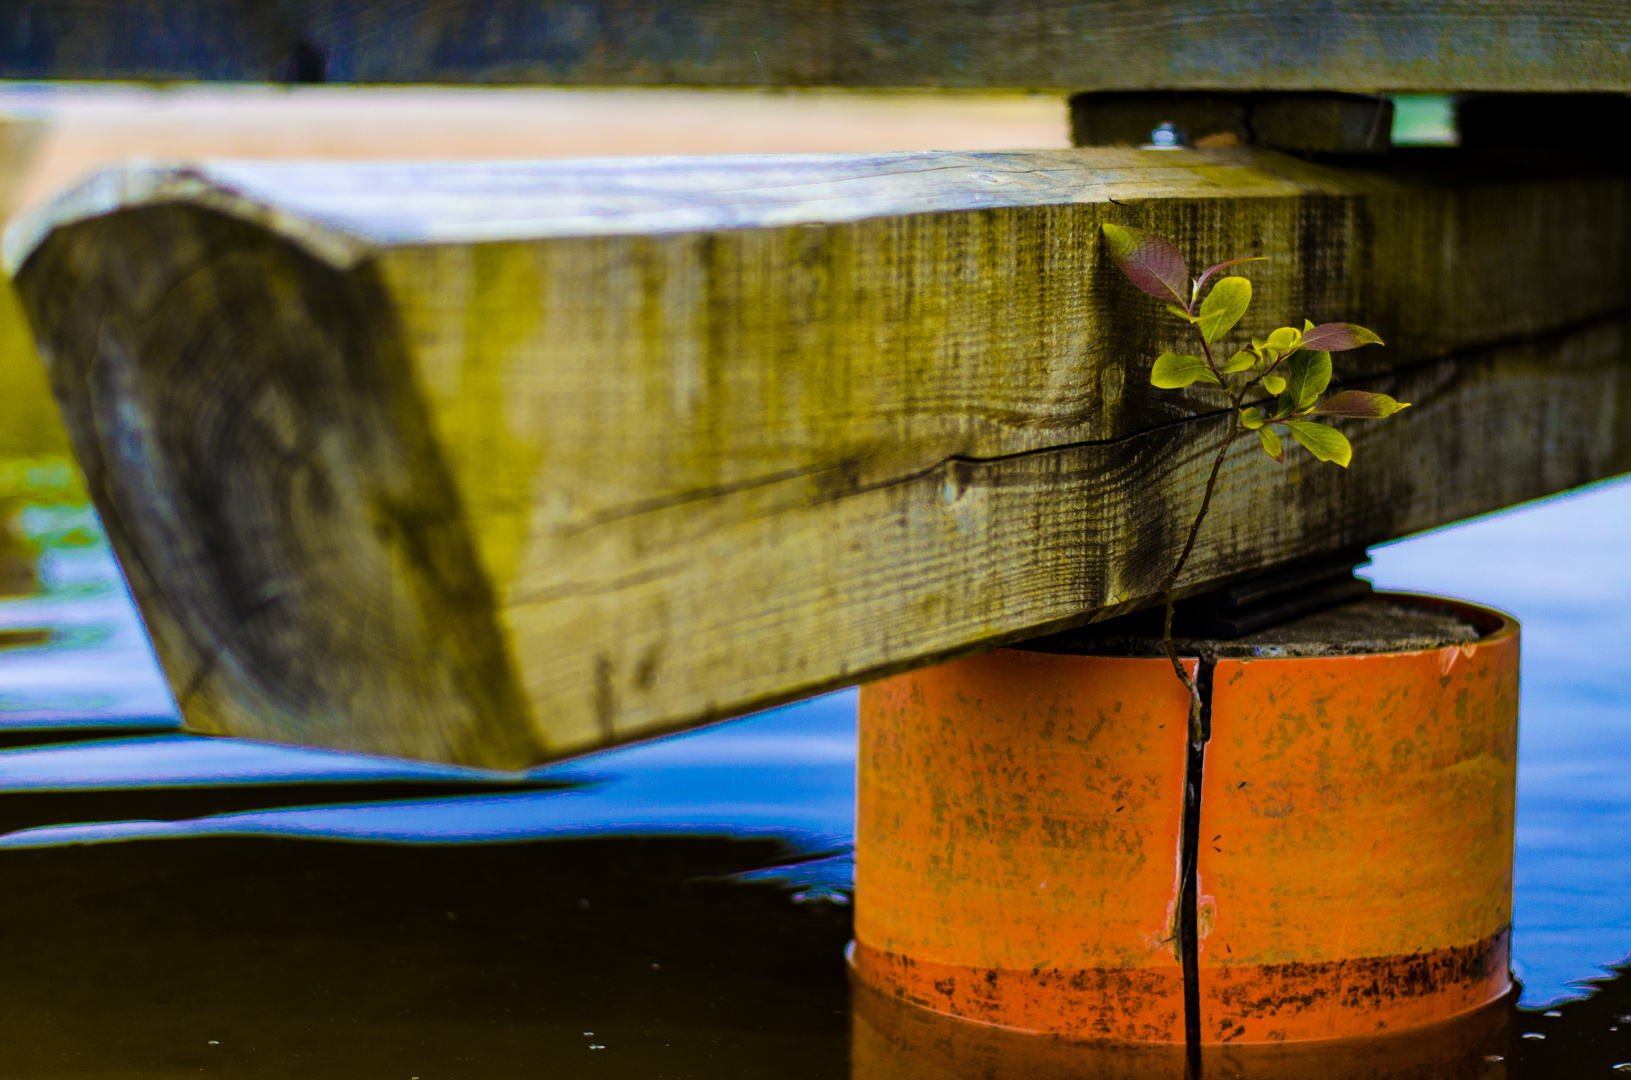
<point>1266,372</point>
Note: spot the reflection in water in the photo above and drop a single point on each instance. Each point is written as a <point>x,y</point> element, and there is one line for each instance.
<point>257,956</point>
<point>97,669</point>
<point>787,774</point>
<point>892,1041</point>
<point>265,957</point>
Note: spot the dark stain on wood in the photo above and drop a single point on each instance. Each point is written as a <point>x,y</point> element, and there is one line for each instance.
<point>269,483</point>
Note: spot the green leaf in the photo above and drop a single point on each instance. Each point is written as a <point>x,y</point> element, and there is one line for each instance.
<point>1309,374</point>
<point>1357,403</point>
<point>1240,361</point>
<point>1271,444</point>
<point>1325,443</point>
<point>1282,340</point>
<point>1150,262</point>
<point>1223,307</point>
<point>1182,314</point>
<point>1274,384</point>
<point>1338,337</point>
<point>1174,370</point>
<point>1251,419</point>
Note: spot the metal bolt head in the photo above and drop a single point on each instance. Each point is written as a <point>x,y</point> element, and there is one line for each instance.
<point>1167,136</point>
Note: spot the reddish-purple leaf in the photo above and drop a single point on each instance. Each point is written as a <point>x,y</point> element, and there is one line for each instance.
<point>1358,404</point>
<point>1337,337</point>
<point>1150,262</point>
<point>1210,270</point>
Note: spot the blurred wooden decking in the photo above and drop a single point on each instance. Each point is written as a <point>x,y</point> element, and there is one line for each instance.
<point>1349,45</point>
<point>78,128</point>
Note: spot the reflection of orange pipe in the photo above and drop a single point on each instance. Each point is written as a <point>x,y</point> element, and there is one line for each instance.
<point>890,1040</point>
<point>1019,818</point>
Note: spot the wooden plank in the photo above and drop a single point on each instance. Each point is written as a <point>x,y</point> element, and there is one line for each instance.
<point>1352,45</point>
<point>497,464</point>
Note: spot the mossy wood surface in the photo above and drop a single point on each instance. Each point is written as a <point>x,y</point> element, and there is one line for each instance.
<point>1361,45</point>
<point>502,464</point>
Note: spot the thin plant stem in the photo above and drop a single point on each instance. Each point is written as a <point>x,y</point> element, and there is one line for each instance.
<point>1195,734</point>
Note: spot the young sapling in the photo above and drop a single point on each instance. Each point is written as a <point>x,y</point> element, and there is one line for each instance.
<point>1271,385</point>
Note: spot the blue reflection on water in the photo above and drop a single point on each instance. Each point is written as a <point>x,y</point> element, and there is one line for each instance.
<point>98,669</point>
<point>789,772</point>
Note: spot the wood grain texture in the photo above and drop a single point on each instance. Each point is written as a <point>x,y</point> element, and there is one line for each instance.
<point>1357,45</point>
<point>618,450</point>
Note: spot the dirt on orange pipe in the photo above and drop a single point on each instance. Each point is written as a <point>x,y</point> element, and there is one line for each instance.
<point>1018,826</point>
<point>892,1040</point>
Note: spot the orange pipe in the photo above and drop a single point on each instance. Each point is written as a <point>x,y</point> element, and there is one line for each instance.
<point>1018,824</point>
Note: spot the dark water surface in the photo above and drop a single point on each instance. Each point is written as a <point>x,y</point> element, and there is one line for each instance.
<point>184,906</point>
<point>258,956</point>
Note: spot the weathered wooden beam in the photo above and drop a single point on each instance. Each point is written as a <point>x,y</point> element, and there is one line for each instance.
<point>497,463</point>
<point>1350,45</point>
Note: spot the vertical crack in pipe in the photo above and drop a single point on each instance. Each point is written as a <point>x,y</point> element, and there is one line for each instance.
<point>1189,895</point>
